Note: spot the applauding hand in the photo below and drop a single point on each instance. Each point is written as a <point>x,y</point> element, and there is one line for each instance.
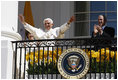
<point>97,29</point>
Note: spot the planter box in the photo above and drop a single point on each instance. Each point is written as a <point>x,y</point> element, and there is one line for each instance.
<point>53,76</point>
<point>45,76</point>
<point>99,76</point>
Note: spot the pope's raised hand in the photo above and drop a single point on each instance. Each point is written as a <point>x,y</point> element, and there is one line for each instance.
<point>21,18</point>
<point>71,19</point>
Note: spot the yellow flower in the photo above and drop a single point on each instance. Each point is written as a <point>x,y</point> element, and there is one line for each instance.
<point>27,57</point>
<point>31,62</point>
<point>88,53</point>
<point>91,53</point>
<point>107,48</point>
<point>54,52</point>
<point>36,61</point>
<point>50,60</point>
<point>112,54</point>
<point>107,52</point>
<point>36,54</point>
<point>54,60</point>
<point>84,50</point>
<point>107,58</point>
<point>98,59</point>
<point>116,55</point>
<point>59,52</point>
<point>98,54</point>
<point>41,53</point>
<point>94,55</point>
<point>102,51</point>
<point>50,52</point>
<point>32,57</point>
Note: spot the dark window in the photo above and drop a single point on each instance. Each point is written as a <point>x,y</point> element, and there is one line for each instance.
<point>97,6</point>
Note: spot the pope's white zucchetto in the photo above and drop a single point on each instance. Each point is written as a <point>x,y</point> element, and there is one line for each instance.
<point>49,19</point>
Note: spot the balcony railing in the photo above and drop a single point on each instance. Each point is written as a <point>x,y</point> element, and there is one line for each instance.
<point>38,58</point>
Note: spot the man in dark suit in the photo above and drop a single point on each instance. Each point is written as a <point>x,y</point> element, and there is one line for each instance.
<point>102,34</point>
<point>101,30</point>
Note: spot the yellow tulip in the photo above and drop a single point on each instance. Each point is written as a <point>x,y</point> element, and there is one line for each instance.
<point>112,54</point>
<point>50,60</point>
<point>45,53</point>
<point>36,54</point>
<point>41,52</point>
<point>45,61</point>
<point>102,51</point>
<point>36,61</point>
<point>107,58</point>
<point>50,52</point>
<point>97,59</point>
<point>59,52</point>
<point>92,51</point>
<point>27,57</point>
<point>88,54</point>
<point>54,60</point>
<point>107,48</point>
<point>31,62</point>
<point>32,57</point>
<point>54,52</point>
<point>94,55</point>
<point>107,52</point>
<point>98,54</point>
<point>84,50</point>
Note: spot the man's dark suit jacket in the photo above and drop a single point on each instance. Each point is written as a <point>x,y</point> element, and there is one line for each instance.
<point>108,32</point>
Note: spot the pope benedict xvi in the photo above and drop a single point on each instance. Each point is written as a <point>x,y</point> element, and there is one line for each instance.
<point>49,33</point>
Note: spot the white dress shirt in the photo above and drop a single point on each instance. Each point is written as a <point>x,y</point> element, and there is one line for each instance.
<point>53,33</point>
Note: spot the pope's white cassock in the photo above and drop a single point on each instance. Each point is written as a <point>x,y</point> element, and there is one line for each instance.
<point>53,33</point>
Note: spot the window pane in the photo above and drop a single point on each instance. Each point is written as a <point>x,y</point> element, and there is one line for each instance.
<point>112,24</point>
<point>81,6</point>
<point>94,16</point>
<point>112,5</point>
<point>82,17</point>
<point>82,29</point>
<point>112,16</point>
<point>97,6</point>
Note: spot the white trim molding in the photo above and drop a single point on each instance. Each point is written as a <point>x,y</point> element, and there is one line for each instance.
<point>13,35</point>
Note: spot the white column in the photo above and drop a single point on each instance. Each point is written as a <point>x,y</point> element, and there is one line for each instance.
<point>9,19</point>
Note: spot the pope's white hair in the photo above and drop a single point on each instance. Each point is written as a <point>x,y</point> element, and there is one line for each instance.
<point>49,19</point>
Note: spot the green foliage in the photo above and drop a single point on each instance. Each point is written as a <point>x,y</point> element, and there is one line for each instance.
<point>95,67</point>
<point>42,69</point>
<point>103,67</point>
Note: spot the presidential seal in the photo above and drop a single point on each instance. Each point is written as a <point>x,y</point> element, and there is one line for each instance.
<point>73,63</point>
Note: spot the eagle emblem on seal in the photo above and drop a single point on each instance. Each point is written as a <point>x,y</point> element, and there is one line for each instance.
<point>73,63</point>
